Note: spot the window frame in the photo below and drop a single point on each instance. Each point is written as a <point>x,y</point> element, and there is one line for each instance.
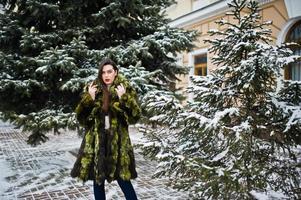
<point>202,65</point>
<point>288,68</point>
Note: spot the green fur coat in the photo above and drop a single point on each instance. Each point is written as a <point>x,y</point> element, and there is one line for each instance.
<point>107,154</point>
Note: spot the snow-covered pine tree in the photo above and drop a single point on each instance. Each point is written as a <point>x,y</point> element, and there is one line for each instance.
<point>289,99</point>
<point>50,49</point>
<point>238,138</point>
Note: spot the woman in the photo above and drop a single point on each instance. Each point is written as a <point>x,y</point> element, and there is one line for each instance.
<point>106,109</point>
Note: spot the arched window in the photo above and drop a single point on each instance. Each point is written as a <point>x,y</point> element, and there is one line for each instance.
<point>293,70</point>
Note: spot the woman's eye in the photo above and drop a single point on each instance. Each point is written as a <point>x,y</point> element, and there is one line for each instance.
<point>108,72</point>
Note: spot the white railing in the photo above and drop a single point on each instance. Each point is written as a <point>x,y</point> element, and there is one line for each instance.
<point>202,3</point>
<point>198,4</point>
<point>264,1</point>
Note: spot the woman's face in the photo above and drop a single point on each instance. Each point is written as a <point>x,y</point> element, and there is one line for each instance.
<point>108,74</point>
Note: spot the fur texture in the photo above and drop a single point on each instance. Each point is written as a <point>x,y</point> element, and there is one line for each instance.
<point>107,154</point>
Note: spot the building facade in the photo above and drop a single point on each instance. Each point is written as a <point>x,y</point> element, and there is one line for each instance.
<point>201,15</point>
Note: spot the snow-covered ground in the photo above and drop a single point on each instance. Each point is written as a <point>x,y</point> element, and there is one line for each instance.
<point>4,124</point>
<point>42,172</point>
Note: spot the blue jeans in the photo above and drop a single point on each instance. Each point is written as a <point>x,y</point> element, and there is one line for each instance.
<point>126,187</point>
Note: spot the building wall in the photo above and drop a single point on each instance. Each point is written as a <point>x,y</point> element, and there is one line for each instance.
<point>274,10</point>
<point>180,8</point>
<point>183,7</point>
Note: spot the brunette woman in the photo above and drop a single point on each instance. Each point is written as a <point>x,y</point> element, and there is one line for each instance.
<point>107,107</point>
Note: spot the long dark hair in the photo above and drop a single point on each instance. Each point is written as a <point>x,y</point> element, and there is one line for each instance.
<point>105,61</point>
<point>106,94</point>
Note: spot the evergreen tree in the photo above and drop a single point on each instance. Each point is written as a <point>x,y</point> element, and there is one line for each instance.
<point>50,49</point>
<point>238,137</point>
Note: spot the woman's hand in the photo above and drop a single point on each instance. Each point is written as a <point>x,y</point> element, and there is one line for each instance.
<point>120,90</point>
<point>92,90</point>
